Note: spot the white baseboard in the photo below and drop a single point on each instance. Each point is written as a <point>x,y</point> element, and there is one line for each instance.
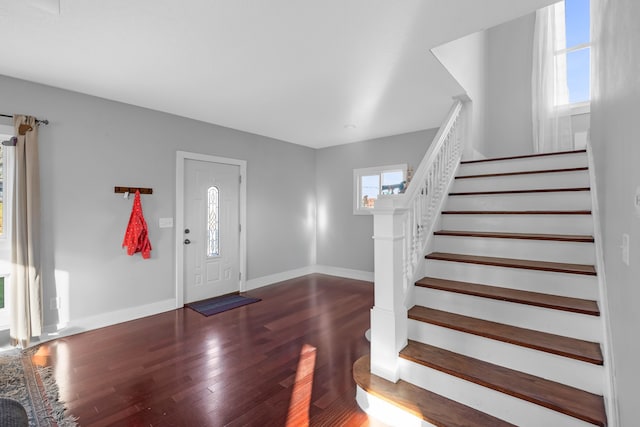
<point>105,319</point>
<point>259,282</point>
<point>347,273</point>
<point>470,153</point>
<point>322,269</point>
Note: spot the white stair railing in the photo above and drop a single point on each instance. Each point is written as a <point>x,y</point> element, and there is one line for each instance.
<point>403,225</point>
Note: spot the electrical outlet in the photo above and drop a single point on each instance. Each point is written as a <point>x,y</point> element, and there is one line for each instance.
<point>625,249</point>
<point>54,304</point>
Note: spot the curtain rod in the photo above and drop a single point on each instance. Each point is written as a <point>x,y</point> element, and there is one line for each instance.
<point>38,121</point>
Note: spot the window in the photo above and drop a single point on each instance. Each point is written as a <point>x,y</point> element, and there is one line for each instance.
<point>576,51</point>
<point>369,183</point>
<point>213,222</point>
<point>2,150</point>
<point>6,133</point>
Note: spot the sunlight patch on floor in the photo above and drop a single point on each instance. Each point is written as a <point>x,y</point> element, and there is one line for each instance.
<point>300,403</point>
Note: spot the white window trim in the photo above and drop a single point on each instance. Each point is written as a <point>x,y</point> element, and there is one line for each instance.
<point>578,108</point>
<point>357,173</point>
<point>6,132</point>
<point>573,48</point>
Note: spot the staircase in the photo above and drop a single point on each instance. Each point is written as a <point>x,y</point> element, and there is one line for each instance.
<point>504,328</point>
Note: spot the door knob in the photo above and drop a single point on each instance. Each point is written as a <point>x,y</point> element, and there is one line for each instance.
<point>187,241</point>
<point>186,231</point>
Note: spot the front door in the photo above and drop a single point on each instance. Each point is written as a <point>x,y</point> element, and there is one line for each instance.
<point>211,238</point>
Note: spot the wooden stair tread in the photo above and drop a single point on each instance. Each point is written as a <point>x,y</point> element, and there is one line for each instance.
<point>573,348</point>
<point>526,156</point>
<point>557,267</point>
<point>531,172</point>
<point>578,212</point>
<point>568,400</point>
<point>523,236</point>
<point>536,190</point>
<point>574,305</point>
<point>431,407</point>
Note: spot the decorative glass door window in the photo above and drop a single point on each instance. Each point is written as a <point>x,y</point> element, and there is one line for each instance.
<point>213,222</point>
<point>369,183</point>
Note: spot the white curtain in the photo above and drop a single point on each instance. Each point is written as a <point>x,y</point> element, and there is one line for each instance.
<point>551,113</point>
<point>25,289</point>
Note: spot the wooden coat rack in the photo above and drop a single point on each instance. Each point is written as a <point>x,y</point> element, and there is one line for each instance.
<point>132,190</point>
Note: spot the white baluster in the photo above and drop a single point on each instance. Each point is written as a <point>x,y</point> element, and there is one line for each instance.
<point>402,228</point>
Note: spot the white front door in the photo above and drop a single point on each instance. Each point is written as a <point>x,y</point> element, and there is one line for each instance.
<point>211,235</point>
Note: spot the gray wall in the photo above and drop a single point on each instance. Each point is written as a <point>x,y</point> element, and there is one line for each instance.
<point>508,96</point>
<point>92,145</point>
<point>344,239</point>
<point>466,60</point>
<point>615,127</point>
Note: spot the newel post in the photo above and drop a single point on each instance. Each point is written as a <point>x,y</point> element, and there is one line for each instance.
<point>388,315</point>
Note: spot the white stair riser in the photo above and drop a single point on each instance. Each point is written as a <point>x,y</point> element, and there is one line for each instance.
<point>582,375</point>
<point>386,412</point>
<point>565,200</point>
<point>563,284</point>
<point>522,182</point>
<point>538,250</point>
<point>558,322</point>
<point>500,405</point>
<point>564,161</point>
<point>543,224</point>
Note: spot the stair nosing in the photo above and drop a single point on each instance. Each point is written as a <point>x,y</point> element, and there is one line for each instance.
<point>531,191</point>
<point>496,371</point>
<point>417,313</point>
<point>518,236</point>
<point>515,296</point>
<point>531,172</point>
<point>567,268</point>
<point>526,156</point>
<point>362,368</point>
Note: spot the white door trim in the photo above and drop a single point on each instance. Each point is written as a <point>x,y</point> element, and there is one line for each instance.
<point>181,157</point>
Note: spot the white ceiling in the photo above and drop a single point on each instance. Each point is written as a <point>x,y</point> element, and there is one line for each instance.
<point>301,71</point>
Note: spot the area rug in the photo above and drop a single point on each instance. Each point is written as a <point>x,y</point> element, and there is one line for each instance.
<point>217,305</point>
<point>34,387</point>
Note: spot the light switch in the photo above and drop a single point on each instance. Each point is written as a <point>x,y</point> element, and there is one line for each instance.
<point>165,222</point>
<point>625,249</point>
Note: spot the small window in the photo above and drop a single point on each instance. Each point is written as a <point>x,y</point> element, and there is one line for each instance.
<point>574,56</point>
<point>369,183</point>
<point>213,222</point>
<point>4,154</point>
<point>2,180</point>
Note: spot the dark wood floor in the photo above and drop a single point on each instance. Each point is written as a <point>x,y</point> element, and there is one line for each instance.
<point>286,360</point>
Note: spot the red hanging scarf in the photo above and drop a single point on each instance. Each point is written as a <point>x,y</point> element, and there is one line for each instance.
<point>136,238</point>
